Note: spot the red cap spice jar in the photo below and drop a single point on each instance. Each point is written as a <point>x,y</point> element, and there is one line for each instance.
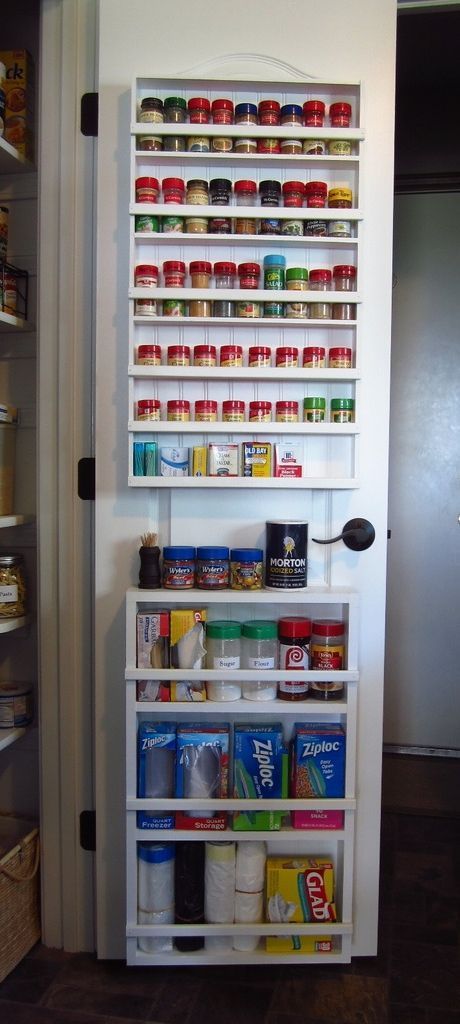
<point>316,193</point>
<point>199,110</point>
<point>145,276</point>
<point>231,355</point>
<point>327,644</point>
<point>269,112</point>
<point>287,412</point>
<point>249,274</point>
<point>320,280</point>
<point>260,412</point>
<point>174,273</point>
<point>148,409</point>
<point>294,639</point>
<point>200,272</point>
<point>344,278</point>
<point>147,190</point>
<point>206,411</point>
<point>287,356</point>
<point>313,113</point>
<point>178,355</point>
<point>340,115</point>
<point>204,355</point>
<point>222,111</point>
<point>149,355</point>
<point>314,356</point>
<point>293,193</point>
<point>224,274</point>
<point>340,358</point>
<point>259,355</point>
<point>178,409</point>
<point>173,190</point>
<point>268,146</point>
<point>245,192</point>
<point>233,411</point>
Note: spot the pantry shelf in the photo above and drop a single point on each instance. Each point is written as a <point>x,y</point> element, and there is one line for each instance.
<point>199,427</point>
<point>253,322</point>
<point>10,736</point>
<point>253,212</point>
<point>10,625</point>
<point>325,162</point>
<point>242,131</point>
<point>239,373</point>
<point>256,241</point>
<point>241,482</point>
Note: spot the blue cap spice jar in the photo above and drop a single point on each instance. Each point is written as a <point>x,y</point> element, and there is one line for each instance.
<point>179,567</point>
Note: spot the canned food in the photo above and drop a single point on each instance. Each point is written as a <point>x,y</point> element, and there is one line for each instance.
<point>13,595</point>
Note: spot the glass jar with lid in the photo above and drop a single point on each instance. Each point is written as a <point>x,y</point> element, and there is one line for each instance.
<point>151,110</point>
<point>13,594</point>
<point>175,110</point>
<point>199,110</point>
<point>259,650</point>
<point>197,192</point>
<point>344,278</point>
<point>223,651</point>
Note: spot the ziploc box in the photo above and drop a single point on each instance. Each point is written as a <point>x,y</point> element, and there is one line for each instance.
<point>187,651</point>
<point>202,771</point>
<point>260,770</point>
<point>301,891</point>
<point>318,770</point>
<point>257,458</point>
<point>156,758</point>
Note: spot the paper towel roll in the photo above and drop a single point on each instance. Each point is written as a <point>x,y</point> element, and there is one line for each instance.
<point>250,866</point>
<point>158,943</point>
<point>219,883</point>
<point>249,909</point>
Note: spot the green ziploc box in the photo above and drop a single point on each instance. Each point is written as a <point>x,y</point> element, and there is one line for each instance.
<point>260,771</point>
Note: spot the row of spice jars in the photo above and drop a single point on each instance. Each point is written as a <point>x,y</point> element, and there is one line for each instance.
<point>245,309</point>
<point>342,410</point>
<point>269,112</point>
<point>341,278</point>
<point>198,225</point>
<point>338,357</point>
<point>243,192</point>
<point>246,146</point>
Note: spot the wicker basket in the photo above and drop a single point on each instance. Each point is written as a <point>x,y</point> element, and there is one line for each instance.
<point>19,892</point>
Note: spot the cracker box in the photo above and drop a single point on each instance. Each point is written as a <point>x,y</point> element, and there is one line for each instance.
<point>299,890</point>
<point>288,460</point>
<point>156,759</point>
<point>223,460</point>
<point>259,771</point>
<point>202,771</point>
<point>257,458</point>
<point>19,101</point>
<point>317,770</point>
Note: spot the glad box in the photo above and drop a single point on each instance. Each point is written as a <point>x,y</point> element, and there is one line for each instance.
<point>301,891</point>
<point>259,772</point>
<point>318,770</point>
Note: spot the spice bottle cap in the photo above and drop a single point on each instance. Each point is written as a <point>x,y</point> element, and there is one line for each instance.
<point>294,627</point>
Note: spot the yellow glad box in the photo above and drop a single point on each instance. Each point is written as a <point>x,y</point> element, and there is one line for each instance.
<point>19,100</point>
<point>299,890</point>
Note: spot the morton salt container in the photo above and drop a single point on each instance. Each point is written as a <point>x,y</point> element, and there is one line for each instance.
<point>286,555</point>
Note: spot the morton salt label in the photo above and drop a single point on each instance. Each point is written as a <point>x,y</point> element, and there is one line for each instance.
<point>286,555</point>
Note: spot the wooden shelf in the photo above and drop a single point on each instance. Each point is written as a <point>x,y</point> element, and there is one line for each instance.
<point>9,736</point>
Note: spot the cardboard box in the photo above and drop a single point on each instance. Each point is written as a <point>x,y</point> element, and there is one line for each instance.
<point>174,461</point>
<point>156,760</point>
<point>299,890</point>
<point>19,101</point>
<point>152,639</point>
<point>202,769</point>
<point>199,460</point>
<point>317,770</point>
<point>259,771</point>
<point>223,460</point>
<point>257,458</point>
<point>288,460</point>
<point>187,651</point>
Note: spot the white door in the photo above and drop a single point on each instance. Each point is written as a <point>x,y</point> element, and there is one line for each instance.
<point>146,40</point>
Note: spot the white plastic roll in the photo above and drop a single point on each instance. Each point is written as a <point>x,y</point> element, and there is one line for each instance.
<point>250,866</point>
<point>158,943</point>
<point>249,909</point>
<point>219,883</point>
<point>218,943</point>
<point>155,876</point>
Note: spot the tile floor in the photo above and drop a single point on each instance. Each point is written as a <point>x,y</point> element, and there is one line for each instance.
<point>415,979</point>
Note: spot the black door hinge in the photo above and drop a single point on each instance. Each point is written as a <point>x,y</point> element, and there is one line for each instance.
<point>89,114</point>
<point>87,479</point>
<point>88,830</point>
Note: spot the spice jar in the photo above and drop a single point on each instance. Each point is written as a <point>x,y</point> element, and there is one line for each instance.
<point>340,358</point>
<point>178,567</point>
<point>290,147</point>
<point>204,355</point>
<point>259,650</point>
<point>270,193</point>
<point>148,409</point>
<point>200,272</point>
<point>269,112</point>
<point>316,194</point>
<point>292,227</point>
<point>173,190</point>
<point>146,276</point>
<point>175,110</point>
<point>294,640</point>
<point>223,651</point>
<point>231,355</point>
<point>340,115</point>
<point>314,410</point>
<point>274,271</point>
<point>13,594</point>
<point>220,190</point>
<point>314,147</point>
<point>149,355</point>
<point>150,143</point>
<point>287,356</point>
<point>147,190</point>
<point>173,307</point>
<point>199,307</point>
<point>287,412</point>
<point>343,311</point>
<point>270,226</point>
<point>174,273</point>
<point>314,356</point>
<point>197,192</point>
<point>313,113</point>
<point>196,225</point>
<point>260,412</point>
<point>172,225</point>
<point>178,355</point>
<point>178,410</point>
<point>291,115</point>
<point>151,110</point>
<point>246,568</point>
<point>339,147</point>
<point>219,226</point>
<point>259,355</point>
<point>327,650</point>
<point>233,411</point>
<point>315,227</point>
<point>249,274</point>
<point>342,410</point>
<point>246,193</point>
<point>144,223</point>
<point>297,279</point>
<point>339,229</point>
<point>206,411</point>
<point>198,144</point>
<point>344,278</point>
<point>293,193</point>
<point>320,281</point>
<point>224,274</point>
<point>340,198</point>
<point>212,568</point>
<point>222,111</point>
<point>245,146</point>
<point>245,113</point>
<point>268,146</point>
<point>199,110</point>
<point>174,143</point>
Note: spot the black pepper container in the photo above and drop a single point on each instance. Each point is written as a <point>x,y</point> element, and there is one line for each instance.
<point>220,191</point>
<point>270,193</point>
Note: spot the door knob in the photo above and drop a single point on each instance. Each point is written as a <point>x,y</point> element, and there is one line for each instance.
<point>357,534</point>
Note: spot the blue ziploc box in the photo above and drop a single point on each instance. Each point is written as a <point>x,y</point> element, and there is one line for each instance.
<point>260,770</point>
<point>318,770</point>
<point>202,771</point>
<point>156,763</point>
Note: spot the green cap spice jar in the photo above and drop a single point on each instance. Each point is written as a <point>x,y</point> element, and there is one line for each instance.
<point>342,410</point>
<point>314,410</point>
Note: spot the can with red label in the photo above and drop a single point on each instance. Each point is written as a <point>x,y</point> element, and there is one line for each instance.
<point>294,638</point>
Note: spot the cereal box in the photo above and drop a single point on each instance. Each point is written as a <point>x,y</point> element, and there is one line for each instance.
<point>299,890</point>
<point>317,770</point>
<point>19,100</point>
<point>259,771</point>
<point>202,771</point>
